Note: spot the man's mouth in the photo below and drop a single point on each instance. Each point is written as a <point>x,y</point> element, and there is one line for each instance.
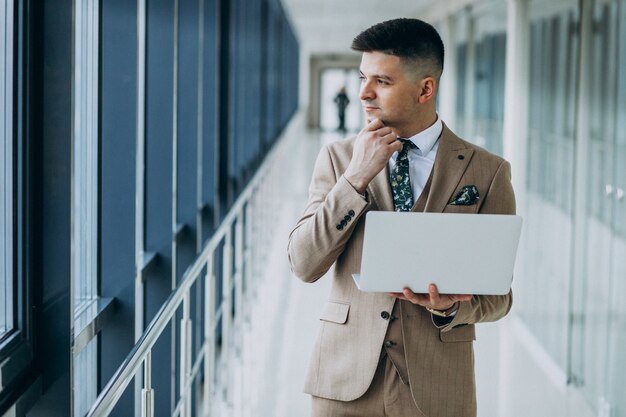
<point>369,108</point>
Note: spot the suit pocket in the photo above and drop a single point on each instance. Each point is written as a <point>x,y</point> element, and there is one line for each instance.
<point>459,334</point>
<point>471,209</point>
<point>335,312</point>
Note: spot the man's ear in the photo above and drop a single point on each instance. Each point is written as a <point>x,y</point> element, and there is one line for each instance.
<point>428,90</point>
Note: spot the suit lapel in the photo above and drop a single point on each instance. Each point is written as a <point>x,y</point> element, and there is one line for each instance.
<point>451,161</point>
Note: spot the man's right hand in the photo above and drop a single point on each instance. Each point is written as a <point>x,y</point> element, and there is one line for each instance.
<point>372,149</point>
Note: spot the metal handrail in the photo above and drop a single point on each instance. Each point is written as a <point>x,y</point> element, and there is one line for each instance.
<point>140,353</point>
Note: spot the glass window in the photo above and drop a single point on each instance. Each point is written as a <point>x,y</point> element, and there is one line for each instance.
<point>489,68</point>
<point>6,168</point>
<point>546,245</point>
<point>617,315</point>
<point>489,92</point>
<point>85,158</point>
<point>595,314</point>
<point>599,329</point>
<point>85,187</point>
<point>552,108</point>
<point>480,68</point>
<point>461,71</point>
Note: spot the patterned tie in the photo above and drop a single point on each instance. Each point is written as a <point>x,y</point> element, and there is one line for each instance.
<point>400,181</point>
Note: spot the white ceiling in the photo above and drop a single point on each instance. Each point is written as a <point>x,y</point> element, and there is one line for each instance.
<point>328,26</point>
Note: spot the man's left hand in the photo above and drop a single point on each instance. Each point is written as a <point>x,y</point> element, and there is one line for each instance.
<point>432,299</point>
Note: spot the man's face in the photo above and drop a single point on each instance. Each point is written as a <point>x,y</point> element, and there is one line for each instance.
<point>388,92</point>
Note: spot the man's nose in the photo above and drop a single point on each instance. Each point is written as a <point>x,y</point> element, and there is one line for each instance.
<point>366,92</point>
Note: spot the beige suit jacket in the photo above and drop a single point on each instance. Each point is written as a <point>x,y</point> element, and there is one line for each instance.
<point>440,361</point>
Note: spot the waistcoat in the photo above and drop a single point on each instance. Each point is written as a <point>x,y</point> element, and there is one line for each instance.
<point>393,346</point>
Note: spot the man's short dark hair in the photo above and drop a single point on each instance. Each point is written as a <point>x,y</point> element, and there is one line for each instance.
<point>412,40</point>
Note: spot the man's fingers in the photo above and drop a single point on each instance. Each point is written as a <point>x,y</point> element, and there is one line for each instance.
<point>432,298</point>
<point>378,129</point>
<point>410,296</point>
<point>415,298</point>
<point>391,139</point>
<point>433,293</point>
<point>374,124</point>
<point>397,295</point>
<point>385,131</point>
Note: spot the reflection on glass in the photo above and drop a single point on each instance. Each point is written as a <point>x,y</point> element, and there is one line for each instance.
<point>480,70</point>
<point>546,246</point>
<point>6,168</point>
<point>597,317</point>
<point>597,286</point>
<point>617,316</point>
<point>489,92</point>
<point>85,155</point>
<point>85,378</point>
<point>85,191</point>
<point>461,71</point>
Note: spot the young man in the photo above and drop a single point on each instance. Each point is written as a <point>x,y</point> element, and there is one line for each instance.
<point>400,354</point>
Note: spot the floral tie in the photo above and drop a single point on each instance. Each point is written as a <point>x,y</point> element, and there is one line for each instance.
<point>400,181</point>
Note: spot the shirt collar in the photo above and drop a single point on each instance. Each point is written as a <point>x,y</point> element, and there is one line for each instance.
<point>426,139</point>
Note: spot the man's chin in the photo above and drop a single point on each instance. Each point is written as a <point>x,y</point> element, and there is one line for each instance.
<point>371,117</point>
<point>375,114</point>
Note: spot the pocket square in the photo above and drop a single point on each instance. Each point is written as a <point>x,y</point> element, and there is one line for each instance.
<point>466,197</point>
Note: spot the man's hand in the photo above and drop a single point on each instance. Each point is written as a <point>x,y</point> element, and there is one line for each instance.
<point>372,149</point>
<point>433,299</point>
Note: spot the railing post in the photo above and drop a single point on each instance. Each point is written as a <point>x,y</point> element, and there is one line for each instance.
<point>239,266</point>
<point>258,228</point>
<point>247,257</point>
<point>240,347</point>
<point>185,357</point>
<point>147,393</point>
<point>250,294</point>
<point>251,249</point>
<point>226,317</point>
<point>209,334</point>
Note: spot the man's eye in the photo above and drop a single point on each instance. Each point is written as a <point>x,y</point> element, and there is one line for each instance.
<point>382,82</point>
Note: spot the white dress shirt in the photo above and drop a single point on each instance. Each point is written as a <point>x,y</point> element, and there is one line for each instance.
<point>422,159</point>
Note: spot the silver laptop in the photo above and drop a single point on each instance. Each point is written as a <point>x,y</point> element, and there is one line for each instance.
<point>461,253</point>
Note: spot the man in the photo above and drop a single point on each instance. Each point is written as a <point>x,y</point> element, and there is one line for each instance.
<point>342,101</point>
<point>400,354</point>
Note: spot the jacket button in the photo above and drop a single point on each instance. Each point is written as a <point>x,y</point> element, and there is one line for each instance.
<point>339,227</point>
<point>347,218</point>
<point>343,223</point>
<point>389,343</point>
<point>461,157</point>
<point>385,315</point>
<point>351,213</point>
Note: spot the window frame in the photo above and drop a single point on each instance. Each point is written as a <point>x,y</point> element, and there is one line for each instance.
<point>21,380</point>
<point>87,307</point>
<point>7,53</point>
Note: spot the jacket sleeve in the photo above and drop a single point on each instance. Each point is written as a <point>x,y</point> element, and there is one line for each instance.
<point>484,308</point>
<point>328,221</point>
